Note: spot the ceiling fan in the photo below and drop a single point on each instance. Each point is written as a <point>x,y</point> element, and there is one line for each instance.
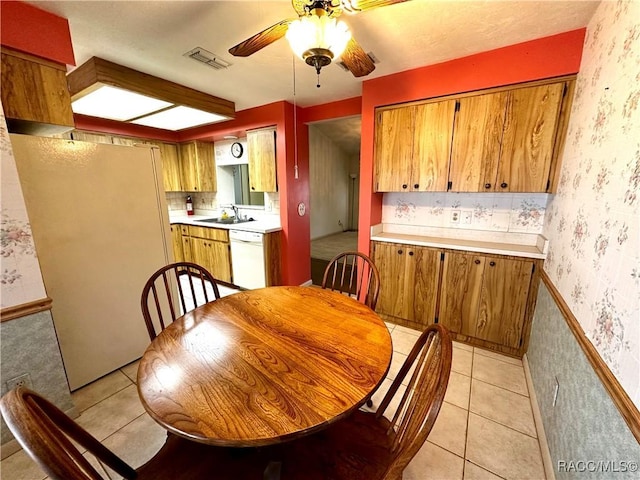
<point>316,36</point>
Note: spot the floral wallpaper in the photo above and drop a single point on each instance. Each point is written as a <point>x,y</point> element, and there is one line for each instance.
<point>593,222</point>
<point>503,212</point>
<point>20,277</point>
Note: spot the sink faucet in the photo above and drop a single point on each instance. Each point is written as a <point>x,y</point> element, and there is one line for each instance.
<point>235,211</point>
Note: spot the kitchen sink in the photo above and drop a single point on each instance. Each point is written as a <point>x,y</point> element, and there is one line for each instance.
<point>226,221</point>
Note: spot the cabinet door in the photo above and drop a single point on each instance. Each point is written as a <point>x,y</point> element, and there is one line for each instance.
<point>477,136</point>
<point>528,139</point>
<point>189,167</point>
<point>393,149</point>
<point>170,167</point>
<point>176,240</point>
<point>460,294</point>
<point>219,260</point>
<point>206,167</point>
<point>261,151</point>
<point>422,268</point>
<point>432,132</point>
<point>186,250</point>
<point>505,289</point>
<point>390,260</point>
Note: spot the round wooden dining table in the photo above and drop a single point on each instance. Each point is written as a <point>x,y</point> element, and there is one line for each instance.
<point>264,366</point>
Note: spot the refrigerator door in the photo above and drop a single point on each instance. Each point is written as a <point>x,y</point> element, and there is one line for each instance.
<point>101,228</point>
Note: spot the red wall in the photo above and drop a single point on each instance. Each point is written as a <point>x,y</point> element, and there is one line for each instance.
<point>534,60</point>
<point>31,30</point>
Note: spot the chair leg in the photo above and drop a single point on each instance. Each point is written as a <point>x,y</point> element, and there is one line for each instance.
<point>369,403</point>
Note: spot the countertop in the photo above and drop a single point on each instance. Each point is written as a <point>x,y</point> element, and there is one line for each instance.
<point>260,225</point>
<point>499,243</point>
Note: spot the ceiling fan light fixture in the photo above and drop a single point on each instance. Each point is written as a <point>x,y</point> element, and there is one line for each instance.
<point>318,31</point>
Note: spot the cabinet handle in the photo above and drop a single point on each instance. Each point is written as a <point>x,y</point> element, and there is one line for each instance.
<point>253,188</point>
<point>487,185</point>
<point>416,185</point>
<point>404,185</point>
<point>399,252</point>
<point>503,185</point>
<point>476,261</point>
<point>493,264</point>
<point>411,254</point>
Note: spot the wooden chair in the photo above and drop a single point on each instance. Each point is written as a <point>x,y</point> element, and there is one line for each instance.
<point>372,445</point>
<point>163,297</point>
<point>351,273</point>
<point>46,435</point>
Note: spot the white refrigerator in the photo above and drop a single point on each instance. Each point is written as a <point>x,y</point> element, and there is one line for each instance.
<point>100,224</point>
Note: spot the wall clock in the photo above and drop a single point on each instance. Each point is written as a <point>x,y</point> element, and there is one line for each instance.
<point>236,149</point>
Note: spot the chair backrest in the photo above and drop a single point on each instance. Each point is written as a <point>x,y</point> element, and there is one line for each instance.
<point>419,405</point>
<point>45,433</point>
<point>353,273</point>
<point>174,290</point>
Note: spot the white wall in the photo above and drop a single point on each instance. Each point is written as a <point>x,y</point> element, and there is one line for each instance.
<point>329,169</point>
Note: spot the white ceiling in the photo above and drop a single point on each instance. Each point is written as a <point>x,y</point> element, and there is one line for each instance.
<point>152,36</point>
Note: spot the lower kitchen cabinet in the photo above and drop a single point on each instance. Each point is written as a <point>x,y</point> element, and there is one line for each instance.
<point>208,247</point>
<point>484,300</point>
<point>176,241</point>
<point>408,283</point>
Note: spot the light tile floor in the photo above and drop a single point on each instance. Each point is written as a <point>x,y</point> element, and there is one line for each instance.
<point>485,429</point>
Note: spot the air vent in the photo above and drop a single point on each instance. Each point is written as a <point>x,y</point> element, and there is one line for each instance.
<point>371,55</point>
<point>204,56</point>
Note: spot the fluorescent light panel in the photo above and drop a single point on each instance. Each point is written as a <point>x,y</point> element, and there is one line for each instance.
<point>178,118</point>
<point>116,104</point>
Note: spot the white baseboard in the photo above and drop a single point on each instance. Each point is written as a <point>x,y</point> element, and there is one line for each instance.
<point>308,283</point>
<point>547,462</point>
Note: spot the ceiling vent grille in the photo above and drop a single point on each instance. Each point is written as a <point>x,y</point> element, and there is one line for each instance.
<point>204,56</point>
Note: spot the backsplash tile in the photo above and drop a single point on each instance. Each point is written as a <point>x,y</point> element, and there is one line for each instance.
<point>501,212</point>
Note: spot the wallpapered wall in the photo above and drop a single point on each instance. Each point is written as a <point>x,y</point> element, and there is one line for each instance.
<point>593,221</point>
<point>20,275</point>
<point>501,212</point>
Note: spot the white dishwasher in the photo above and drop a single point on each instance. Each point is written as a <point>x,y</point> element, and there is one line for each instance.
<point>247,259</point>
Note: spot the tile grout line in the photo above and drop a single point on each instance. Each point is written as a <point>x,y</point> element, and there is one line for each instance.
<point>466,433</point>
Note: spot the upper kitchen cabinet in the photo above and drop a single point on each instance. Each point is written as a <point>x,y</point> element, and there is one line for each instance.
<point>35,96</point>
<point>504,141</point>
<point>261,149</point>
<point>501,140</point>
<point>198,167</point>
<point>412,147</point>
<point>171,167</point>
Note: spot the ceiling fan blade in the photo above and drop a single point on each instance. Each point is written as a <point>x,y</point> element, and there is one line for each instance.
<point>356,59</point>
<point>355,6</point>
<point>260,40</point>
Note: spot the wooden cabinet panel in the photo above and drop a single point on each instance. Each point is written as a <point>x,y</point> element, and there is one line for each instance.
<point>198,167</point>
<point>171,167</point>
<point>209,247</point>
<point>393,149</point>
<point>176,238</point>
<point>186,249</point>
<point>461,290</point>
<point>408,282</point>
<point>529,135</point>
<point>476,143</point>
<point>505,289</point>
<point>390,262</point>
<point>35,96</point>
<point>261,151</point>
<point>217,234</point>
<point>220,260</point>
<point>432,130</point>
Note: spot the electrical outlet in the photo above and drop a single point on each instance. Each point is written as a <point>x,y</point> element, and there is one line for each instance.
<point>23,380</point>
<point>466,217</point>
<point>455,216</point>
